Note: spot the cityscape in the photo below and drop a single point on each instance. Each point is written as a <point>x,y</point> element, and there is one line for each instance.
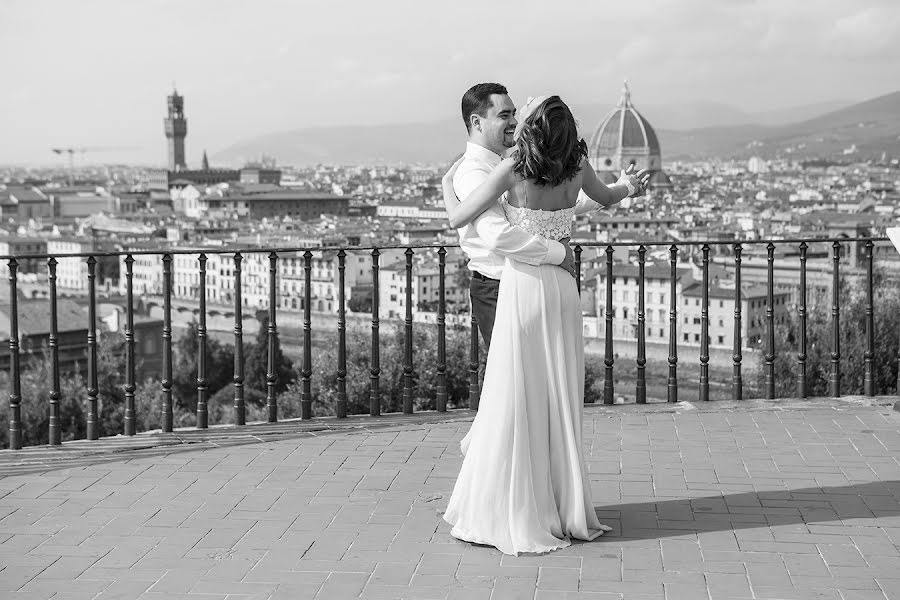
<point>115,211</point>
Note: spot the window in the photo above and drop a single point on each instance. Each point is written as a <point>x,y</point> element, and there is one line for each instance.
<point>697,302</point>
<point>721,304</point>
<point>721,339</point>
<point>686,337</point>
<point>685,320</point>
<point>721,323</point>
<point>696,320</point>
<point>696,337</point>
<point>661,332</point>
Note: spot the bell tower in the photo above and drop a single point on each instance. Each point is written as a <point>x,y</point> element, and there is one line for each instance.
<point>176,130</point>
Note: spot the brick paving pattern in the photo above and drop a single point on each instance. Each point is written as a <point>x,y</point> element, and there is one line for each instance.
<point>764,501</point>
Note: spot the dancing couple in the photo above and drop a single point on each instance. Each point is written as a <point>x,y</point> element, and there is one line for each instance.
<point>523,485</point>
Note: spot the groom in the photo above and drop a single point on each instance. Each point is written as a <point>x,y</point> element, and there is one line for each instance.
<point>490,118</point>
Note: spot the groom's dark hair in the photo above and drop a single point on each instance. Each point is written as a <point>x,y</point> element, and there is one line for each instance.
<point>477,100</point>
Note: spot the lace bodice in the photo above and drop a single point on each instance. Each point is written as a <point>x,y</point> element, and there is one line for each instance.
<point>551,224</point>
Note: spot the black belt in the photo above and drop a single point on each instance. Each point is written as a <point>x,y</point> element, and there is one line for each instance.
<point>480,277</point>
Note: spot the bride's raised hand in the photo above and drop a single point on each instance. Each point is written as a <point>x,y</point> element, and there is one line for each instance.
<point>636,182</point>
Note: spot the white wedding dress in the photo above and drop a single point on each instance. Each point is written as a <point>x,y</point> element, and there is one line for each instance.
<point>523,486</point>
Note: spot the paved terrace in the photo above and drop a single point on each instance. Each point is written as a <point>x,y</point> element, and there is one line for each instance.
<point>766,500</point>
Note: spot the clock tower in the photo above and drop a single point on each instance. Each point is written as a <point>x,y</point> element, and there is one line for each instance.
<point>176,130</point>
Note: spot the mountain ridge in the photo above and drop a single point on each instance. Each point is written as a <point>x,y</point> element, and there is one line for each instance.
<point>872,126</point>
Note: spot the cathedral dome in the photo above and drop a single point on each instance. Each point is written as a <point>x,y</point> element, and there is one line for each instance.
<point>624,137</point>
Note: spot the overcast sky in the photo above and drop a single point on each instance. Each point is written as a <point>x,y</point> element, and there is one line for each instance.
<point>96,72</point>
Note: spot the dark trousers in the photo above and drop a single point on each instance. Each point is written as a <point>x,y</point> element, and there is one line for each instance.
<point>483,293</point>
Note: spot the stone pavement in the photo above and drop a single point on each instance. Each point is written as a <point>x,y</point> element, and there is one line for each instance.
<point>722,501</point>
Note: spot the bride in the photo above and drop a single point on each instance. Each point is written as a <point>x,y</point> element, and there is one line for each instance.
<point>523,486</point>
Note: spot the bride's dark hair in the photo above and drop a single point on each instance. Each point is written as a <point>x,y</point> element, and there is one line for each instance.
<point>548,150</point>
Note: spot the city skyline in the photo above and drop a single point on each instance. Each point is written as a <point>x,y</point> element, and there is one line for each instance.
<point>96,73</point>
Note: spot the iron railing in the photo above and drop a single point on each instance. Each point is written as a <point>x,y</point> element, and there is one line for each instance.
<point>408,391</point>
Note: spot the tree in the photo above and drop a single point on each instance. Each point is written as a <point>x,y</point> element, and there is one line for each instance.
<point>35,404</point>
<point>360,300</point>
<point>819,343</point>
<point>219,367</point>
<point>256,365</point>
<point>391,360</point>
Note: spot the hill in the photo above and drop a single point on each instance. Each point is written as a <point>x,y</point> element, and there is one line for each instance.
<point>692,130</point>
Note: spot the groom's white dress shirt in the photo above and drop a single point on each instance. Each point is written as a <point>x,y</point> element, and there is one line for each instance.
<point>489,238</point>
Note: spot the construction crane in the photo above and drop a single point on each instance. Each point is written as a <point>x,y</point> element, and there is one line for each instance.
<point>81,150</point>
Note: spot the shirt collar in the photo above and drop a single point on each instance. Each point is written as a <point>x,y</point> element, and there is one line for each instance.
<point>481,153</point>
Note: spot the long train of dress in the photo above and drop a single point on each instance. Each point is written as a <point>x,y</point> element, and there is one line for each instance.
<point>523,486</point>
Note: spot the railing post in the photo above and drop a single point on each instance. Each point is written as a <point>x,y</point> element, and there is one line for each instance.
<point>770,323</point>
<point>577,253</point>
<point>640,392</point>
<point>375,367</point>
<point>240,417</point>
<point>341,408</point>
<point>836,323</point>
<point>55,431</point>
<point>272,340</point>
<point>609,360</point>
<point>869,383</point>
<point>305,381</point>
<point>441,391</point>
<point>408,354</point>
<point>130,385</point>
<point>704,329</point>
<point>202,380</point>
<point>93,432</point>
<point>15,389</point>
<point>801,354</point>
<point>672,383</point>
<point>737,380</point>
<point>167,416</point>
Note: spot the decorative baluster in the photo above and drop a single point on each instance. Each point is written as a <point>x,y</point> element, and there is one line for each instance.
<point>341,408</point>
<point>55,431</point>
<point>578,267</point>
<point>93,432</point>
<point>306,374</point>
<point>408,353</point>
<point>15,389</point>
<point>704,329</point>
<point>737,381</point>
<point>770,324</point>
<point>608,387</point>
<point>130,385</point>
<point>271,367</point>
<point>640,392</point>
<point>836,322</point>
<point>801,355</point>
<point>240,417</point>
<point>202,379</point>
<point>441,394</point>
<point>167,416</point>
<point>375,368</point>
<point>672,384</point>
<point>869,383</point>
